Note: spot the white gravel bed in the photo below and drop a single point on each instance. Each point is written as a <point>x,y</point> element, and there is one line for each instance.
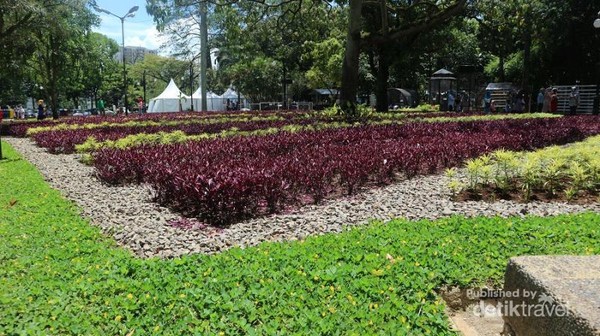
<point>142,226</point>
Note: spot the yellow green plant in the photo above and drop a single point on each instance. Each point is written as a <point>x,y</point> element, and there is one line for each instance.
<point>552,174</point>
<point>450,172</point>
<point>578,175</point>
<point>146,123</point>
<point>474,167</point>
<point>455,186</point>
<point>530,177</point>
<point>571,169</point>
<point>571,193</point>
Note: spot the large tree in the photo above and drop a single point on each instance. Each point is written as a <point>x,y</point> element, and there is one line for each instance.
<point>17,25</point>
<point>59,44</point>
<point>542,42</point>
<point>98,66</point>
<point>268,41</point>
<point>394,22</point>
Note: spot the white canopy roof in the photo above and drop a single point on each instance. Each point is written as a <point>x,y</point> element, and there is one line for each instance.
<point>209,94</point>
<point>170,100</point>
<point>171,91</point>
<point>230,93</point>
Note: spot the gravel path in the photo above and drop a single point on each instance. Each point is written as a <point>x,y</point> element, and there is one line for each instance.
<point>129,215</point>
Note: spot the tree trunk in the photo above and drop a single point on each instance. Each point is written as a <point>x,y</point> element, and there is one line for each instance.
<point>383,75</point>
<point>526,61</point>
<point>53,80</point>
<point>351,61</point>
<point>501,75</point>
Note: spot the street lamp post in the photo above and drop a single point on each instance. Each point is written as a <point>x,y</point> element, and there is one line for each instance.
<point>596,108</point>
<point>192,85</point>
<point>130,13</point>
<point>144,86</point>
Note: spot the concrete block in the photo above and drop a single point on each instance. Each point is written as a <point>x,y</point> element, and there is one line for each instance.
<point>552,295</point>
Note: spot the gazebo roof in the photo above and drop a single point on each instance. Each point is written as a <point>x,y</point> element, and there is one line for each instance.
<point>442,73</point>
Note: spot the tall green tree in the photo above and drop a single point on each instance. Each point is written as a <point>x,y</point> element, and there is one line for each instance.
<point>17,24</point>
<point>542,42</point>
<point>158,72</point>
<point>59,41</point>
<point>273,35</point>
<point>98,65</point>
<point>379,25</point>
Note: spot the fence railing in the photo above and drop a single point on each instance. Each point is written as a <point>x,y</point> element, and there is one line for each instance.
<point>265,106</point>
<point>587,93</point>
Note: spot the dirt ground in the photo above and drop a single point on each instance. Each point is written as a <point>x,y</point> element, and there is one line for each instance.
<point>469,324</point>
<point>466,315</point>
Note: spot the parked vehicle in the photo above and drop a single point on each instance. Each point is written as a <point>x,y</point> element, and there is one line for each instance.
<point>30,114</point>
<point>78,113</point>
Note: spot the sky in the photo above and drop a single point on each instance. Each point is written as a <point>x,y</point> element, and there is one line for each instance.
<point>140,30</point>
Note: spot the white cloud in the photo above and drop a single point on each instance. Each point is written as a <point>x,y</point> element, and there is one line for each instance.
<point>141,35</point>
<point>137,33</point>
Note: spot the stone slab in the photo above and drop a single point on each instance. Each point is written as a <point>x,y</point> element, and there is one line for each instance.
<point>556,295</point>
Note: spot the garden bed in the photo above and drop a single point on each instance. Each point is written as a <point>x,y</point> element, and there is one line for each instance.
<point>61,276</point>
<point>569,173</point>
<point>129,215</point>
<point>227,180</point>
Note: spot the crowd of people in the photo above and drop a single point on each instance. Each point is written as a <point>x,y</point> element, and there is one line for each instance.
<point>547,100</point>
<point>514,102</point>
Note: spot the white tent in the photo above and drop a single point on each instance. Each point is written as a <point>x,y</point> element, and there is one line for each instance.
<point>170,100</point>
<point>231,95</point>
<point>213,101</point>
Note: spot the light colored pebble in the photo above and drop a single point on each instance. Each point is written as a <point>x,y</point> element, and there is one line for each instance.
<point>128,214</point>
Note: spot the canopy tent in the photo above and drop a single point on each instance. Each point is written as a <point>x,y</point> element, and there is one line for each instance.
<point>231,95</point>
<point>402,97</point>
<point>322,98</point>
<point>213,101</point>
<point>170,100</point>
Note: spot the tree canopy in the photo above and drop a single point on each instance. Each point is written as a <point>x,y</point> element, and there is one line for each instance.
<point>279,50</point>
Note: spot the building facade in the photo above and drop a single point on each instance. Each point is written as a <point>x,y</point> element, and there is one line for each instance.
<point>133,54</point>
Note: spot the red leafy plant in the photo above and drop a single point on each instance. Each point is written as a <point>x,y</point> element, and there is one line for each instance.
<point>227,180</point>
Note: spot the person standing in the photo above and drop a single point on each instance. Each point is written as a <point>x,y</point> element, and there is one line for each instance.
<point>41,115</point>
<point>547,99</point>
<point>487,102</point>
<point>459,100</point>
<point>450,101</point>
<point>540,100</point>
<point>520,103</point>
<point>100,106</point>
<point>573,100</point>
<point>554,101</point>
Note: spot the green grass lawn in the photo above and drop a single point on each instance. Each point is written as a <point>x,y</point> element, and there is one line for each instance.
<point>61,276</point>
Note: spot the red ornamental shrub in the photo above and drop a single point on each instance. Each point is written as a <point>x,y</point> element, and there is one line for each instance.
<point>226,180</point>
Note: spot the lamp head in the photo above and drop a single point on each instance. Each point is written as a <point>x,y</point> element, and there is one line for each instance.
<point>132,11</point>
<point>597,21</point>
<point>100,9</point>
